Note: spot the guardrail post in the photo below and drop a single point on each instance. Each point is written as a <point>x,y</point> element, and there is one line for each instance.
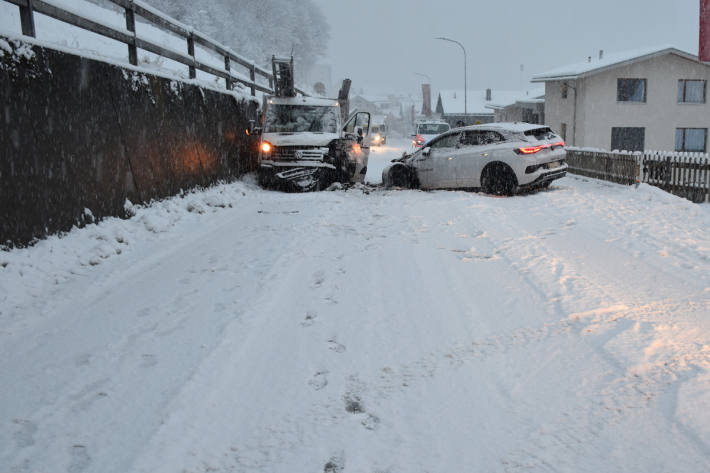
<point>191,53</point>
<point>252,78</point>
<point>28,20</point>
<point>227,67</point>
<point>131,26</point>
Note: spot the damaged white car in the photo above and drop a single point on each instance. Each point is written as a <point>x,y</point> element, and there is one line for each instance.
<point>499,158</point>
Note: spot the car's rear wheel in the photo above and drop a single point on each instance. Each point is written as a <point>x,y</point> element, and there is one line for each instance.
<point>499,179</point>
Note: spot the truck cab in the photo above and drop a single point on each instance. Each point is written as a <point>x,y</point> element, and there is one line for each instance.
<point>305,146</point>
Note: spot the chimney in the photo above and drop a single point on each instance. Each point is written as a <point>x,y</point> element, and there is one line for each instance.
<point>704,48</point>
<point>601,54</point>
<point>426,95</point>
<point>488,95</point>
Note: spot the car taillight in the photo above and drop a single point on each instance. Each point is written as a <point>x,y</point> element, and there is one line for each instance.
<point>535,149</point>
<point>529,150</point>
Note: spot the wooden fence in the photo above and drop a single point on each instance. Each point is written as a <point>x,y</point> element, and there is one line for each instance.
<point>138,8</point>
<point>683,174</point>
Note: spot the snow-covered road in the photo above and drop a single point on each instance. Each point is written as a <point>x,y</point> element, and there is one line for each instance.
<point>240,330</point>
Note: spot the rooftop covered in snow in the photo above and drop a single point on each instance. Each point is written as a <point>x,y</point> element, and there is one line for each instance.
<point>596,64</point>
<point>452,101</point>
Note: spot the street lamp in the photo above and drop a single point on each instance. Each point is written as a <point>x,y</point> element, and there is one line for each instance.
<point>465,85</point>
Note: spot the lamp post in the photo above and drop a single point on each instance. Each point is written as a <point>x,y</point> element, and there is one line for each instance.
<point>465,85</point>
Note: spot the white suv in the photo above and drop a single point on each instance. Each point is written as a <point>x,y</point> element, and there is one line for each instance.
<point>500,158</point>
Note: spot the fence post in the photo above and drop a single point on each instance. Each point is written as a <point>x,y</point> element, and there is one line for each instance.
<point>191,53</point>
<point>28,20</point>
<point>252,78</point>
<point>131,26</point>
<point>227,67</point>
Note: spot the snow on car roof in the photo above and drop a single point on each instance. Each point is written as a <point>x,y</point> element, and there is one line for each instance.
<point>609,61</point>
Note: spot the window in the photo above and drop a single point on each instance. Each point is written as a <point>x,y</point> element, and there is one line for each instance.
<point>631,90</point>
<point>628,138</point>
<point>691,139</point>
<point>691,91</point>
<point>447,141</point>
<point>563,131</point>
<point>564,90</point>
<point>480,137</point>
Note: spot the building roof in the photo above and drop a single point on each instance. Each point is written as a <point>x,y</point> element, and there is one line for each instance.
<point>609,61</point>
<point>528,97</point>
<point>452,101</point>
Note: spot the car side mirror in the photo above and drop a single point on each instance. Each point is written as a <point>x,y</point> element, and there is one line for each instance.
<point>426,151</point>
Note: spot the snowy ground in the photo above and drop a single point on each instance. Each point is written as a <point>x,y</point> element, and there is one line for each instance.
<point>239,330</point>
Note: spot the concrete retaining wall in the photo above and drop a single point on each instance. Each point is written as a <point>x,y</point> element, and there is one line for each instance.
<point>79,134</point>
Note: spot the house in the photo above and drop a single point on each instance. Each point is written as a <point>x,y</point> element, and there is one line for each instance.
<point>528,107</point>
<point>451,108</point>
<point>652,99</point>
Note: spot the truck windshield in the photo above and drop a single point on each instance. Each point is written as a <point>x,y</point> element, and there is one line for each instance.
<point>301,118</point>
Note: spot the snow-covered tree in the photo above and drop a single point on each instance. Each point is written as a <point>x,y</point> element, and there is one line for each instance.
<point>257,29</point>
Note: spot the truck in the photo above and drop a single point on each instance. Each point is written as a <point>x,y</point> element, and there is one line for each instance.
<point>309,143</point>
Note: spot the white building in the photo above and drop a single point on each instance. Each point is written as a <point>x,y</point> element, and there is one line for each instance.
<point>653,99</point>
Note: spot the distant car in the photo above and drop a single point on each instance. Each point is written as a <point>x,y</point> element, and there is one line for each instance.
<point>499,158</point>
<point>425,131</point>
<point>379,134</point>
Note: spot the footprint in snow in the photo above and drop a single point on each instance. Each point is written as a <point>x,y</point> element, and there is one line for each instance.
<point>318,279</point>
<point>335,346</point>
<point>148,360</point>
<point>80,459</point>
<point>319,380</point>
<point>336,464</point>
<point>309,320</point>
<point>371,422</point>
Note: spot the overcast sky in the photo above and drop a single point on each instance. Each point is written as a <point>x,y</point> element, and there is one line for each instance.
<point>382,44</point>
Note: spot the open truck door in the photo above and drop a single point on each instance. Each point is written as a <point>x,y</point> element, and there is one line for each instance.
<point>357,130</point>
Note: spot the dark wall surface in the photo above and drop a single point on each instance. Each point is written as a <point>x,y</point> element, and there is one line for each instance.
<point>80,134</point>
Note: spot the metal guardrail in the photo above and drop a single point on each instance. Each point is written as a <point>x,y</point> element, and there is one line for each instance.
<point>138,8</point>
<point>683,174</point>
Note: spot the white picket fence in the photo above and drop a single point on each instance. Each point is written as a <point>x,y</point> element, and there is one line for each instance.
<point>683,174</point>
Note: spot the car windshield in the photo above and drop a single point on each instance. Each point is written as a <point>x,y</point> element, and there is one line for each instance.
<point>301,118</point>
<point>432,128</point>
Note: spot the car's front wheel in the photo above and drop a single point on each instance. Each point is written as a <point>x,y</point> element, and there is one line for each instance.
<point>499,179</point>
<point>399,177</point>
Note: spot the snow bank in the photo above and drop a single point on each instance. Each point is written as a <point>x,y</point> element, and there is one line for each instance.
<point>63,256</point>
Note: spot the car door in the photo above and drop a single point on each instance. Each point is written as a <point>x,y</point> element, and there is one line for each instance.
<point>478,148</point>
<point>434,164</point>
